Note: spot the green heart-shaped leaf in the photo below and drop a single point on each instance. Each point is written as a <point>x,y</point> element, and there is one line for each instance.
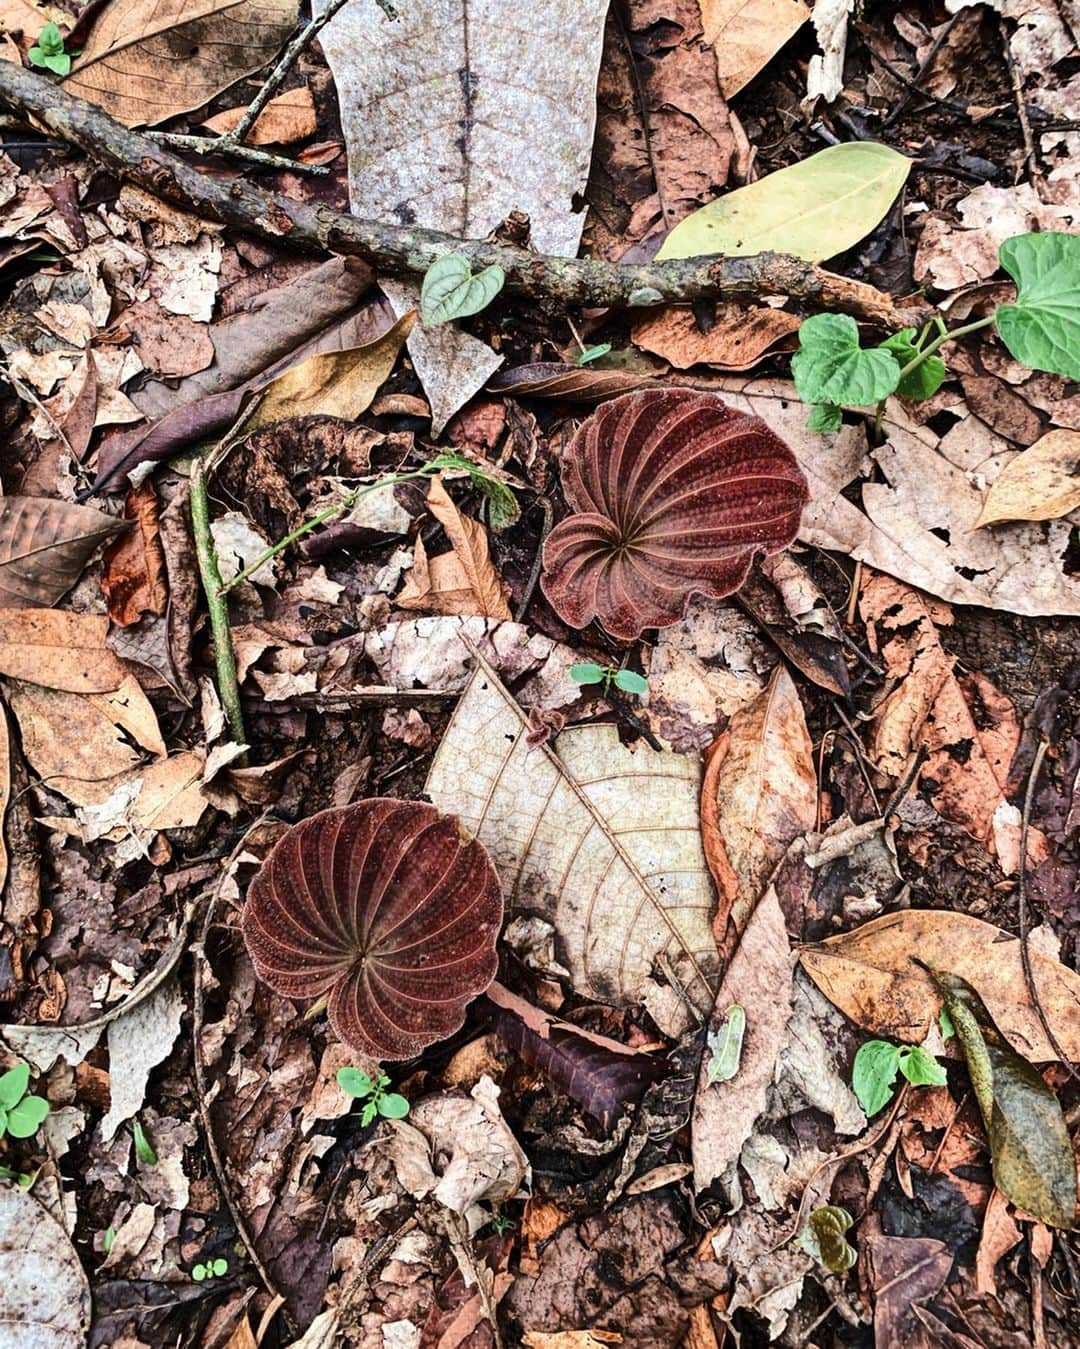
<point>824,1238</point>
<point>920,1068</point>
<point>831,367</point>
<point>27,1117</point>
<point>1042,329</point>
<point>825,418</point>
<point>353,1081</point>
<point>873,1074</point>
<point>13,1085</point>
<point>450,289</point>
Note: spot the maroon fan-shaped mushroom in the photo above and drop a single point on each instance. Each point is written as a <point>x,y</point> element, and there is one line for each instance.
<point>673,493</point>
<point>388,907</point>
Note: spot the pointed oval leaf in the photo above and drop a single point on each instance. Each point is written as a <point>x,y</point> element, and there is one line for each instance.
<point>588,672</point>
<point>451,290</point>
<point>674,493</point>
<point>812,210</point>
<point>631,682</point>
<point>1041,483</point>
<point>1042,329</point>
<point>386,907</point>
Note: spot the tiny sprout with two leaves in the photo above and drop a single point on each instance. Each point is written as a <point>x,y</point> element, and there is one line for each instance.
<point>377,1100</point>
<point>627,680</point>
<point>873,1075</point>
<point>49,53</point>
<point>212,1269</point>
<point>21,1115</point>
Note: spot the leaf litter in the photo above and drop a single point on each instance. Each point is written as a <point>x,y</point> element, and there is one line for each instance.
<point>726,864</point>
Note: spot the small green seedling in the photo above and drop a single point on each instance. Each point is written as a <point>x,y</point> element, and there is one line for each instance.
<point>19,1177</point>
<point>502,1222</point>
<point>49,53</point>
<point>627,680</point>
<point>594,353</point>
<point>377,1100</point>
<point>21,1115</point>
<point>725,1046</point>
<point>212,1269</point>
<point>832,370</point>
<point>144,1149</point>
<point>873,1075</point>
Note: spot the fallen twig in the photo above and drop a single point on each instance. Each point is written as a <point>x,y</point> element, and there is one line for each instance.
<point>137,158</point>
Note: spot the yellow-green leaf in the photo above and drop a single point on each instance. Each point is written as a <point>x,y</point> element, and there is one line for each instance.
<point>812,210</point>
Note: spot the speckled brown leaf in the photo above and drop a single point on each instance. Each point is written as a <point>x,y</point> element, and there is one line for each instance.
<point>601,840</point>
<point>574,383</point>
<point>737,338</point>
<point>747,34</point>
<point>870,975</point>
<point>44,545</point>
<point>148,60</point>
<point>59,650</point>
<point>44,1294</point>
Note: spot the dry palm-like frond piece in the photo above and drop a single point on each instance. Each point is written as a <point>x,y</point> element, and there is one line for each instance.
<point>673,493</point>
<point>388,908</point>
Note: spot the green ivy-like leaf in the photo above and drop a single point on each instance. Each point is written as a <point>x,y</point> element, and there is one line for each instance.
<point>631,682</point>
<point>13,1085</point>
<point>831,367</point>
<point>451,290</point>
<point>353,1081</point>
<point>925,380</point>
<point>1030,1149</point>
<point>51,40</point>
<point>874,1073</point>
<point>27,1117</point>
<point>920,1068</point>
<point>392,1105</point>
<point>586,673</point>
<point>825,418</point>
<point>1042,329</point>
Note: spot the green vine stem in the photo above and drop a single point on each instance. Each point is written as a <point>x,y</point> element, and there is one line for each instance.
<point>939,341</point>
<point>210,575</point>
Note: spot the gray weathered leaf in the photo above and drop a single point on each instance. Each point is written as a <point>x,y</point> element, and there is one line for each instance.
<point>44,545</point>
<point>44,1295</point>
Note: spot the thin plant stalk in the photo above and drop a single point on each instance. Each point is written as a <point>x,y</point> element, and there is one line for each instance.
<point>210,575</point>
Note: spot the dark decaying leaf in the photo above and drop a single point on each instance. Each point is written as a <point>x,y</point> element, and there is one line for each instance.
<point>602,1076</point>
<point>674,493</point>
<point>44,545</point>
<point>1030,1149</point>
<point>387,907</point>
<point>816,650</point>
<point>905,1271</point>
<point>574,383</point>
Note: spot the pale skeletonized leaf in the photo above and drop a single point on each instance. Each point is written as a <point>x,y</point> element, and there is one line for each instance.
<point>148,60</point>
<point>44,545</point>
<point>44,1294</point>
<point>600,839</point>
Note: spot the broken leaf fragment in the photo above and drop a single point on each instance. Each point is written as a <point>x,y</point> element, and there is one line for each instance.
<point>725,1046</point>
<point>1030,1148</point>
<point>1041,483</point>
<point>452,290</point>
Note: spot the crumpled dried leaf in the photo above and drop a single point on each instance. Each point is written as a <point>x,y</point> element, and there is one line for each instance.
<point>1029,1142</point>
<point>786,602</point>
<point>134,580</point>
<point>44,546</point>
<point>758,980</point>
<point>1041,483</point>
<point>147,60</point>
<point>602,840</point>
<point>461,582</point>
<point>138,1041</point>
<point>747,34</point>
<point>870,975</point>
<point>905,1271</point>
<point>736,340</point>
<point>763,791</point>
<point>493,141</point>
<point>44,1293</point>
<point>58,650</point>
<point>825,74</point>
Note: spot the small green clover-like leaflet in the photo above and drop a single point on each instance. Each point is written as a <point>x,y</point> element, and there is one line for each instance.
<point>354,1082</point>
<point>927,377</point>
<point>587,673</point>
<point>212,1269</point>
<point>831,367</point>
<point>630,682</point>
<point>392,1106</point>
<point>823,1238</point>
<point>451,290</point>
<point>20,1115</point>
<point>725,1046</point>
<point>1042,329</point>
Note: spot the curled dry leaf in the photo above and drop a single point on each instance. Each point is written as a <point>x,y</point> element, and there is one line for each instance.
<point>602,841</point>
<point>870,975</point>
<point>674,493</point>
<point>572,383</point>
<point>387,907</point>
<point>747,34</point>
<point>44,545</point>
<point>288,117</point>
<point>134,579</point>
<point>736,339</point>
<point>44,1294</point>
<point>461,582</point>
<point>1042,483</point>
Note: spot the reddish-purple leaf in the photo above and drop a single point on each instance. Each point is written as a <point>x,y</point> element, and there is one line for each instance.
<point>602,1076</point>
<point>673,493</point>
<point>387,907</point>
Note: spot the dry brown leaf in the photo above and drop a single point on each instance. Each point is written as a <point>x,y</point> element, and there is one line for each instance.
<point>601,840</point>
<point>871,976</point>
<point>461,582</point>
<point>58,650</point>
<point>148,60</point>
<point>737,339</point>
<point>906,1271</point>
<point>334,383</point>
<point>134,579</point>
<point>971,729</point>
<point>570,1339</point>
<point>74,741</point>
<point>766,788</point>
<point>165,795</point>
<point>1000,1233</point>
<point>747,34</point>
<point>759,981</point>
<point>5,792</point>
<point>1042,483</point>
<point>44,545</point>
<point>288,117</point>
